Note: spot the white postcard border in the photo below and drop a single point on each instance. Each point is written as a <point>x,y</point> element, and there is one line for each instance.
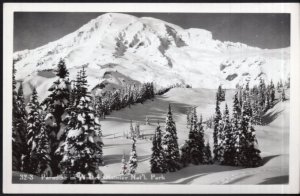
<point>292,8</point>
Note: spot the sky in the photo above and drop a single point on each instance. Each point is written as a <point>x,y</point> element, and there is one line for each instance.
<point>34,29</point>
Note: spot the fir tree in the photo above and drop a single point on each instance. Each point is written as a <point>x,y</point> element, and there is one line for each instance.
<point>99,106</point>
<point>229,149</point>
<point>137,131</point>
<point>217,126</point>
<point>283,98</point>
<point>236,131</point>
<point>133,158</point>
<point>16,124</point>
<point>33,129</point>
<point>188,120</point>
<point>262,92</point>
<point>237,105</point>
<point>257,114</point>
<point>267,102</point>
<point>195,143</point>
<point>124,168</point>
<point>82,150</point>
<point>272,93</point>
<point>248,151</point>
<point>42,153</point>
<point>20,119</point>
<point>62,71</point>
<point>58,100</point>
<point>251,153</point>
<point>185,154</point>
<point>157,157</point>
<point>170,144</point>
<point>200,139</point>
<point>130,97</point>
<point>207,158</point>
<point>240,100</point>
<point>221,94</point>
<point>194,155</point>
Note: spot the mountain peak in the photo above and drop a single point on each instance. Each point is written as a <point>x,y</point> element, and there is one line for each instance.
<point>149,50</point>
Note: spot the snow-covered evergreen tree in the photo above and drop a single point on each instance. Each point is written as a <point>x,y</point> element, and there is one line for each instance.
<point>188,120</point>
<point>237,105</point>
<point>200,139</point>
<point>42,153</point>
<point>272,93</point>
<point>33,129</point>
<point>124,168</point>
<point>82,149</point>
<point>267,102</point>
<point>221,94</point>
<point>221,139</point>
<point>249,154</point>
<point>133,158</point>
<point>23,115</point>
<point>229,149</point>
<point>60,97</point>
<point>137,131</point>
<point>157,157</point>
<point>58,100</point>
<point>217,127</point>
<point>236,130</point>
<point>207,158</point>
<point>240,99</point>
<point>17,126</point>
<point>262,93</point>
<point>185,154</point>
<point>170,144</point>
<point>195,142</point>
<point>283,97</point>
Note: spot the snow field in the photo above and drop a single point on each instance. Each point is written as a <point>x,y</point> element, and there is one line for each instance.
<point>273,141</point>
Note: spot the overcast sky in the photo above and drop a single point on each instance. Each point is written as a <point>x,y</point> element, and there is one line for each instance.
<point>34,29</point>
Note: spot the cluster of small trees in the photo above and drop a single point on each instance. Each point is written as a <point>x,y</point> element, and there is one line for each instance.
<point>194,149</point>
<point>235,141</point>
<point>132,164</point>
<point>281,85</point>
<point>262,98</point>
<point>166,89</point>
<point>165,151</point>
<point>62,135</point>
<point>234,138</point>
<point>134,132</point>
<point>121,98</point>
<point>166,155</point>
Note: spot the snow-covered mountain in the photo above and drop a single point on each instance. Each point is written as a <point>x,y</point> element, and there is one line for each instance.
<point>148,49</point>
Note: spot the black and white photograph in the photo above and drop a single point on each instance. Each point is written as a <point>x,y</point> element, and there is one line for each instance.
<point>150,98</point>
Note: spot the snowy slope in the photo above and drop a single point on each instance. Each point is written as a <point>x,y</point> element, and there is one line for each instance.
<point>149,49</point>
<point>273,141</point>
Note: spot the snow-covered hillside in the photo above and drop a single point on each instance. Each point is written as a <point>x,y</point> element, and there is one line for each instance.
<point>273,140</point>
<point>148,49</point>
